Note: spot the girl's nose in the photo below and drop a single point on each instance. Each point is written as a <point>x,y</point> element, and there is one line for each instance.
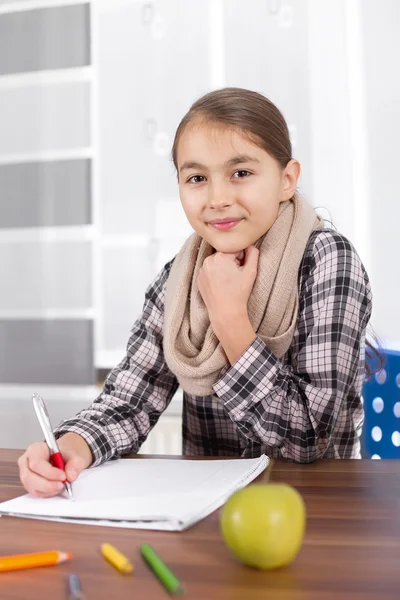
<point>219,197</point>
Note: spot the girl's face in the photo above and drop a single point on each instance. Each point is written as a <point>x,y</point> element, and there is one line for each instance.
<point>230,188</point>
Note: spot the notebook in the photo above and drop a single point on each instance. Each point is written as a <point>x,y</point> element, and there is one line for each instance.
<point>163,494</point>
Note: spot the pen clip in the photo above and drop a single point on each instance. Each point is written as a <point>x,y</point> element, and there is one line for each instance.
<point>44,421</point>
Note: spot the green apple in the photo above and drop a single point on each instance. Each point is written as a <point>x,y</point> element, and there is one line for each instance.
<point>264,524</point>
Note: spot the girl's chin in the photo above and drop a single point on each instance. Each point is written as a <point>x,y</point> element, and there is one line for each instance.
<point>229,249</point>
<point>230,246</point>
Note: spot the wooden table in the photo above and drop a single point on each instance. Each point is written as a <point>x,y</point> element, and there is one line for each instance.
<point>351,549</point>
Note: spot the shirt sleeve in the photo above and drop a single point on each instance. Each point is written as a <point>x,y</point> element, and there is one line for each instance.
<point>135,393</point>
<point>295,406</point>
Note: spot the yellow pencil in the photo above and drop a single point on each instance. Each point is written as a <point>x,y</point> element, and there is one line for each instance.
<point>116,558</point>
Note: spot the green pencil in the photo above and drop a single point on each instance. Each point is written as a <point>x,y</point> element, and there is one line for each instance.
<point>167,578</point>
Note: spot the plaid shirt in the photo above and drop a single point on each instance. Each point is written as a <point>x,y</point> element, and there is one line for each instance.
<point>303,407</point>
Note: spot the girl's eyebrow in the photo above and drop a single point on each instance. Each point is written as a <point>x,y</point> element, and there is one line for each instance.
<point>242,158</point>
<point>190,164</point>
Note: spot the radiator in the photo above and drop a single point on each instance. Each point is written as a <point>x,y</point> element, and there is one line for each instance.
<point>165,438</point>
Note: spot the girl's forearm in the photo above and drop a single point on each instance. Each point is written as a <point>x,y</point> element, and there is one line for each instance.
<point>236,334</point>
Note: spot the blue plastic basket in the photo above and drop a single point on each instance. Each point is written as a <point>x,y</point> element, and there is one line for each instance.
<point>381,393</point>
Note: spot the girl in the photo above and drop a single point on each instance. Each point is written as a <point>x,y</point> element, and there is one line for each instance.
<point>261,317</point>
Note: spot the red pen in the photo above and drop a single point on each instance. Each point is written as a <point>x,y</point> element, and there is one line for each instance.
<point>56,458</point>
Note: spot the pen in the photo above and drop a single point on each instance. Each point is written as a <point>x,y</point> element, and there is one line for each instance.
<point>116,558</point>
<point>36,559</point>
<point>160,569</point>
<point>75,588</point>
<point>56,458</point>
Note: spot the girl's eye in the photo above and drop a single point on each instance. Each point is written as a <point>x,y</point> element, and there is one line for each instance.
<point>240,174</point>
<point>196,179</point>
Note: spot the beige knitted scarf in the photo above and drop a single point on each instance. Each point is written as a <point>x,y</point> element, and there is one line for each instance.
<point>192,350</point>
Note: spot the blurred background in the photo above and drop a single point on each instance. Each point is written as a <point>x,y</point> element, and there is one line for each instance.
<point>90,96</point>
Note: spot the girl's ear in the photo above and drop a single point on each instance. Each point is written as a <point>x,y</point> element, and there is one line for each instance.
<point>290,177</point>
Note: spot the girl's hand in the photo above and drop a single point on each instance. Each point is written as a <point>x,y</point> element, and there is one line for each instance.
<point>225,282</point>
<point>40,478</point>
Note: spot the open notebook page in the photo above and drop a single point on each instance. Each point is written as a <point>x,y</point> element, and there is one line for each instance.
<point>144,493</point>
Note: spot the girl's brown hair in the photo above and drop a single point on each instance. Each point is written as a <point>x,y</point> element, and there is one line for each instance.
<point>253,114</point>
<point>244,110</point>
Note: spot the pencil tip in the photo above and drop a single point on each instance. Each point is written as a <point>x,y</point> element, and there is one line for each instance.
<point>64,556</point>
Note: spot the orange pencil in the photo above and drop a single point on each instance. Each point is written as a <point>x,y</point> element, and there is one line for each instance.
<point>36,559</point>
